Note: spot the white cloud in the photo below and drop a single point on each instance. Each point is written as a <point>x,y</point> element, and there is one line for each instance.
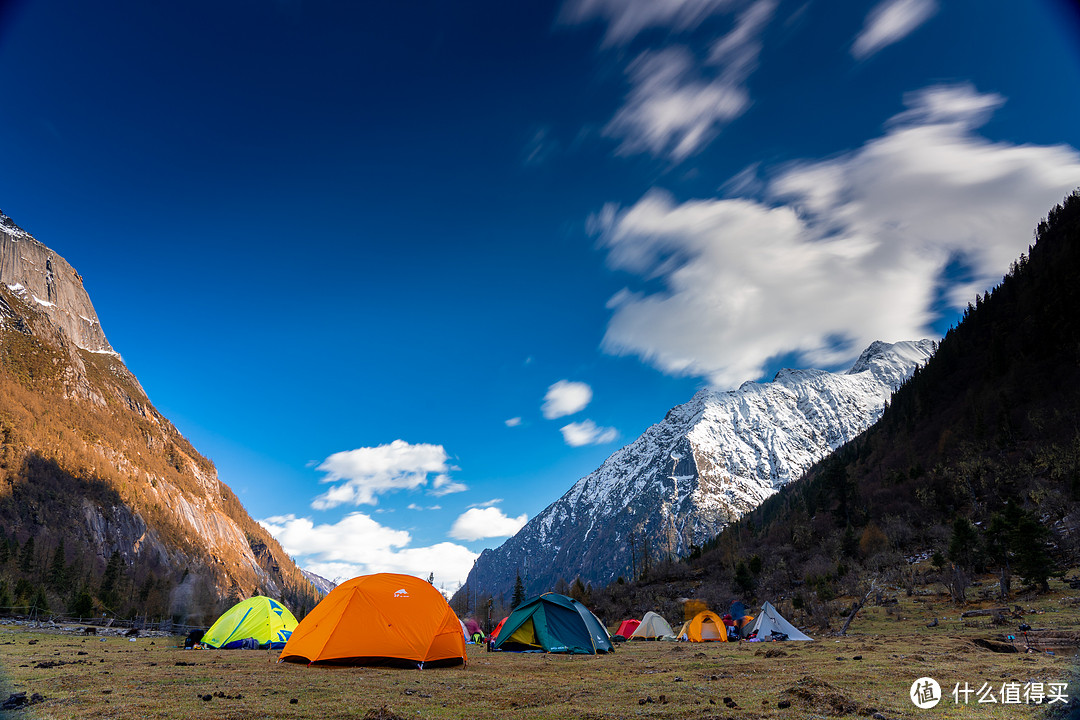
<point>414,506</point>
<point>565,398</point>
<point>890,21</point>
<point>487,503</point>
<point>587,433</point>
<point>443,485</point>
<point>627,18</point>
<point>479,523</point>
<point>676,105</point>
<point>846,251</point>
<point>671,110</point>
<point>738,51</point>
<point>358,545</point>
<point>513,422</point>
<point>367,472</point>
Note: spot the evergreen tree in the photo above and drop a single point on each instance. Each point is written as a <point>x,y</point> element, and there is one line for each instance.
<point>5,598</point>
<point>39,604</point>
<point>744,580</point>
<point>519,592</point>
<point>964,544</point>
<point>81,605</point>
<point>58,571</point>
<point>577,591</point>
<point>26,559</point>
<point>1032,561</point>
<point>108,591</point>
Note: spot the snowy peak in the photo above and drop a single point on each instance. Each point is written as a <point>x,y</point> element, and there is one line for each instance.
<point>708,462</point>
<point>902,353</point>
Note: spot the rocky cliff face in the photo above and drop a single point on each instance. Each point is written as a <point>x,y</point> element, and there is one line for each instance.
<point>88,465</point>
<point>38,275</point>
<point>707,463</point>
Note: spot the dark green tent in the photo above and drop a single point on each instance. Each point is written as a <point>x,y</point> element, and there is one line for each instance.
<point>554,623</point>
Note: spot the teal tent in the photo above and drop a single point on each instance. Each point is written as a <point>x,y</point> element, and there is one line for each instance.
<point>553,623</point>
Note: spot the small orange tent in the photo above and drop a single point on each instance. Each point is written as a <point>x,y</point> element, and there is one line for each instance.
<point>382,619</point>
<point>706,626</point>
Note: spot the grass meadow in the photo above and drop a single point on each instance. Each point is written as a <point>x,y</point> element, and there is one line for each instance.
<point>868,673</point>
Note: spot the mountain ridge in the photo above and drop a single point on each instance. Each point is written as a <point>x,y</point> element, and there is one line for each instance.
<point>709,461</point>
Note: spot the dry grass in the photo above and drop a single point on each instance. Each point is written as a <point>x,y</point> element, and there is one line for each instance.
<point>152,678</point>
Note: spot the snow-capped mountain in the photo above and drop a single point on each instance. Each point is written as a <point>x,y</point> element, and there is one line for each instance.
<point>707,463</point>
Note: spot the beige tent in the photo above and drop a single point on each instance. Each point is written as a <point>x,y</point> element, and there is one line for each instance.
<point>652,627</point>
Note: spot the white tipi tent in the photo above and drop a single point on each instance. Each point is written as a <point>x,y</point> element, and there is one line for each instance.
<point>770,622</point>
<point>652,627</point>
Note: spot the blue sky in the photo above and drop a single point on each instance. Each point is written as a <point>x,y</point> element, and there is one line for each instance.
<point>353,250</point>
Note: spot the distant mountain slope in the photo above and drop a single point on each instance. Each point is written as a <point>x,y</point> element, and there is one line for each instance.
<point>707,463</point>
<point>320,583</point>
<point>102,501</point>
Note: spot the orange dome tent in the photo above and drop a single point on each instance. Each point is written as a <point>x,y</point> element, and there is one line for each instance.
<point>705,626</point>
<point>382,619</point>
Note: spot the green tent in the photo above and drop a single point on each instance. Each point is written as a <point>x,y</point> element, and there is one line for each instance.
<point>267,621</point>
<point>553,623</point>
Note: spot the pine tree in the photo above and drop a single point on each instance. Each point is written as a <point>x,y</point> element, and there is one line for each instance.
<point>82,605</point>
<point>109,581</point>
<point>519,592</point>
<point>58,571</point>
<point>964,544</point>
<point>26,559</point>
<point>40,604</point>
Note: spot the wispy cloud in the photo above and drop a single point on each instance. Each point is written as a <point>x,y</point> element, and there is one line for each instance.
<point>512,422</point>
<point>626,18</point>
<point>365,473</point>
<point>444,485</point>
<point>358,545</point>
<point>587,432</point>
<point>671,110</point>
<point>851,249</point>
<point>678,104</point>
<point>486,503</point>
<point>565,398</point>
<point>890,21</point>
<point>539,148</point>
<point>479,523</point>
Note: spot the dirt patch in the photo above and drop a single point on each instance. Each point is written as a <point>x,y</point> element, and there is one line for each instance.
<point>813,695</point>
<point>991,645</point>
<point>57,663</point>
<point>383,713</point>
<point>771,653</point>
